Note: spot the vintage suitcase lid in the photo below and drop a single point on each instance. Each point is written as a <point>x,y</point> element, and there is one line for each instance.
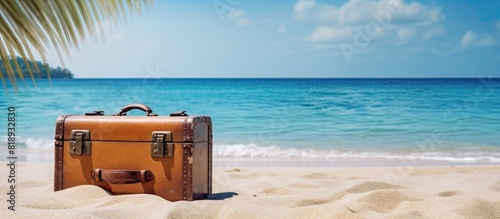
<point>118,127</point>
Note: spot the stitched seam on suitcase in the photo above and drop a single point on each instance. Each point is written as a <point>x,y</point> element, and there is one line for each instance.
<point>209,126</point>
<point>59,147</point>
<point>188,159</point>
<point>184,161</point>
<point>190,132</point>
<point>188,156</point>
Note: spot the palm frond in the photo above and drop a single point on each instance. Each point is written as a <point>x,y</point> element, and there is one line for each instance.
<point>35,26</point>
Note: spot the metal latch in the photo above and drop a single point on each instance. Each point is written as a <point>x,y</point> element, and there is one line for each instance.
<point>179,113</point>
<point>162,144</point>
<point>80,143</point>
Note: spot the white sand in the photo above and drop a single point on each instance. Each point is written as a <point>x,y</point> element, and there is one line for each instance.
<point>290,192</point>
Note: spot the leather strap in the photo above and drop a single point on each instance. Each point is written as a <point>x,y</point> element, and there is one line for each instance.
<point>122,176</point>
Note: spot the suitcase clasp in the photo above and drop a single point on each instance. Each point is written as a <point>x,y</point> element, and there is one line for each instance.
<point>95,113</point>
<point>179,113</point>
<point>80,143</point>
<point>161,144</point>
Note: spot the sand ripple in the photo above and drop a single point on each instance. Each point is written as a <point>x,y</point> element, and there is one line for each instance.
<point>431,192</point>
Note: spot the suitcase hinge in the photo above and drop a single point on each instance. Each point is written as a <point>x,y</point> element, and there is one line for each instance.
<point>80,143</point>
<point>162,144</point>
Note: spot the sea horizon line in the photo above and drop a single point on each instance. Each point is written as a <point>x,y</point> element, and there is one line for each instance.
<point>282,78</point>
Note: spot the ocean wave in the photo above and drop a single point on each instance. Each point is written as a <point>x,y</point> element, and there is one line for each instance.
<point>28,142</point>
<point>257,151</point>
<point>254,151</point>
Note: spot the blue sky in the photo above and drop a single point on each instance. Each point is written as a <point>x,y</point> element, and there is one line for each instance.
<point>304,38</point>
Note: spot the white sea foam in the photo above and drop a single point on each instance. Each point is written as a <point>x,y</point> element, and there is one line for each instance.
<point>256,151</point>
<point>28,142</point>
<point>41,143</point>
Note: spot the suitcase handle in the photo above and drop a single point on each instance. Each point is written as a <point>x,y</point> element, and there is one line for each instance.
<point>138,106</point>
<point>122,176</point>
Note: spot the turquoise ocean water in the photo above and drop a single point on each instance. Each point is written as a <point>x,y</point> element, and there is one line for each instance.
<point>429,119</point>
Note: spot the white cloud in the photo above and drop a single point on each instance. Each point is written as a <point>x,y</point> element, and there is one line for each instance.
<point>327,13</point>
<point>359,12</point>
<point>398,19</point>
<point>236,13</point>
<point>326,34</point>
<point>487,41</point>
<point>239,18</point>
<point>498,25</point>
<point>417,14</point>
<point>405,33</point>
<point>303,5</point>
<point>281,28</point>
<point>472,39</point>
<point>243,21</point>
<point>468,38</point>
<point>302,9</point>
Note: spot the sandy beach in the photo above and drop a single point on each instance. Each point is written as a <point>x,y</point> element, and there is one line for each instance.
<point>279,192</point>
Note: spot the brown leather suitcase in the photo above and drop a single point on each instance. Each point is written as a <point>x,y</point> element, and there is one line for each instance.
<point>170,156</point>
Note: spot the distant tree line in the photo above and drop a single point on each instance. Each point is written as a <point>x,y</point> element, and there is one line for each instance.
<point>57,72</point>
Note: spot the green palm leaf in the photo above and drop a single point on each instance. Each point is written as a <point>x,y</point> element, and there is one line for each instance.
<point>34,26</point>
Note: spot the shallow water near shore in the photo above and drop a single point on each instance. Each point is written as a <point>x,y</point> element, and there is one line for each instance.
<point>440,120</point>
